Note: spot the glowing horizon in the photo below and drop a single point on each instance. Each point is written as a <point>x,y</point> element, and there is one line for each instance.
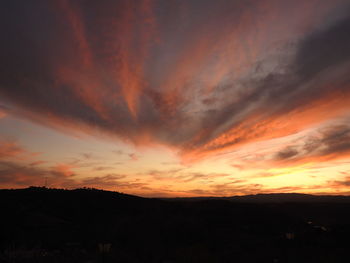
<point>176,98</point>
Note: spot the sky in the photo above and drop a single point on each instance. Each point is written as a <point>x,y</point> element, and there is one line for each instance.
<point>170,98</point>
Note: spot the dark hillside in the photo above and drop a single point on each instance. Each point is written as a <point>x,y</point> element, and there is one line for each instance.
<point>89,225</point>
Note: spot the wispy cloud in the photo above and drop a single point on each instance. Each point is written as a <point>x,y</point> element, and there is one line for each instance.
<point>97,80</point>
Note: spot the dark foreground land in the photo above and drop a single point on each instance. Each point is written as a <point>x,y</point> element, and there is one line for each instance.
<point>87,225</point>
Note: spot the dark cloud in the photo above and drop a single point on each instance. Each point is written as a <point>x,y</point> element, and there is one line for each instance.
<point>286,153</point>
<point>341,185</point>
<point>324,49</point>
<point>336,140</point>
<point>331,142</point>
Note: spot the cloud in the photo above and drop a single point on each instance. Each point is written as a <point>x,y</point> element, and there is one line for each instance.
<point>87,156</point>
<point>335,140</point>
<point>110,181</point>
<point>227,189</point>
<point>35,163</point>
<point>10,149</point>
<point>62,170</point>
<point>118,152</point>
<point>181,175</point>
<point>103,168</point>
<point>3,112</point>
<point>345,183</point>
<point>198,77</point>
<point>325,144</point>
<point>14,175</point>
<point>189,177</point>
<point>133,156</point>
<point>286,153</point>
<point>103,181</point>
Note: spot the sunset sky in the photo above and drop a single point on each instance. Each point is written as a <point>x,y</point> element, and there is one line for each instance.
<point>176,97</point>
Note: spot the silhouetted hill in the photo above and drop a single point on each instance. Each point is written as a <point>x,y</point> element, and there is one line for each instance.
<point>55,225</point>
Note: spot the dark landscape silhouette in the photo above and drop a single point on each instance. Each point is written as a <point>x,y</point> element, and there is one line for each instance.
<point>89,225</point>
